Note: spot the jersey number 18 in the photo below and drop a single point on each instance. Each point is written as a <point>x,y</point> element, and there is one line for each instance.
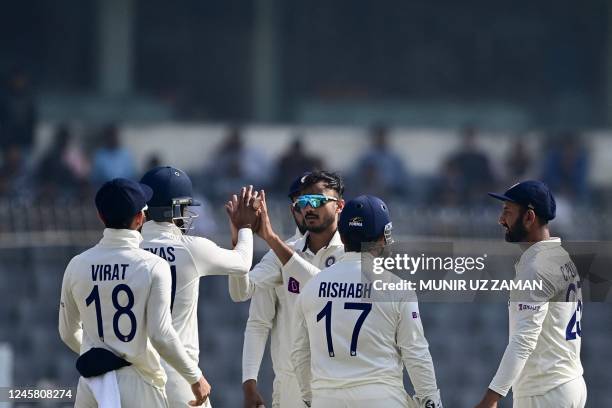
<point>94,297</point>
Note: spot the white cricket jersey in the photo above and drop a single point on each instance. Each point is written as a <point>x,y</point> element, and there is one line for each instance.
<point>543,351</point>
<point>190,258</point>
<point>268,315</point>
<point>303,265</point>
<point>117,296</point>
<point>341,338</point>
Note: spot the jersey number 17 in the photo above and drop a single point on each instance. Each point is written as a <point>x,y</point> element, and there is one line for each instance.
<point>327,313</point>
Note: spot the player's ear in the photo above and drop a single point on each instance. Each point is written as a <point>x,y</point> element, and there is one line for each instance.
<point>340,206</point>
<point>101,218</point>
<point>529,218</point>
<point>138,221</point>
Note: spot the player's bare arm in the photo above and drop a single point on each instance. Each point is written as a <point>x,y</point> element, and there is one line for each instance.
<point>489,400</point>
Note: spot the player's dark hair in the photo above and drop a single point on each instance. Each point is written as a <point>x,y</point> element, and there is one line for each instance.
<point>332,180</point>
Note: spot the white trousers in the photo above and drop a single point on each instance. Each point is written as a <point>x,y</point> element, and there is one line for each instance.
<point>286,392</point>
<point>572,394</point>
<point>135,392</point>
<point>364,396</point>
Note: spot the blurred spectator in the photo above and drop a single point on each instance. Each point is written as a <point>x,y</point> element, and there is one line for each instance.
<point>15,180</point>
<point>474,175</point>
<point>111,160</point>
<point>294,162</point>
<point>234,164</point>
<point>63,167</point>
<point>446,189</point>
<point>566,165</point>
<point>18,113</point>
<point>152,161</point>
<point>518,161</point>
<point>380,171</point>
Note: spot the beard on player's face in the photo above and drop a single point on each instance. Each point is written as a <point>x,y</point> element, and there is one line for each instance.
<point>517,231</point>
<point>318,221</point>
<point>299,221</point>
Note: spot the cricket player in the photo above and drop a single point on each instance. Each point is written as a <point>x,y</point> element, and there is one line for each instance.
<point>542,360</point>
<point>349,350</point>
<point>289,266</point>
<point>189,257</point>
<point>268,316</point>
<point>115,312</point>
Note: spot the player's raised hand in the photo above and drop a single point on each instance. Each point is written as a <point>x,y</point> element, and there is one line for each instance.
<point>244,214</point>
<point>201,391</point>
<point>252,397</point>
<point>230,207</point>
<point>264,229</point>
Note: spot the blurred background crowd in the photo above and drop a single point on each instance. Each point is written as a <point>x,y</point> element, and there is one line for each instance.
<point>428,104</point>
<point>451,175</point>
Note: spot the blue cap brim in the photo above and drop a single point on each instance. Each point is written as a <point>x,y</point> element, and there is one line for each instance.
<point>501,197</point>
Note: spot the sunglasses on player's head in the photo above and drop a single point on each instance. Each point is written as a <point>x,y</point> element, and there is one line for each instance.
<point>314,200</point>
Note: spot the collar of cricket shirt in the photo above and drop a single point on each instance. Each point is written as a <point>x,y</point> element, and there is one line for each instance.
<point>155,228</point>
<point>552,242</point>
<point>302,243</point>
<point>121,237</point>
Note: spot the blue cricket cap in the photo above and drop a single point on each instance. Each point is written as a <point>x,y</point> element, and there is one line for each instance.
<point>296,185</point>
<point>119,199</point>
<point>168,183</point>
<point>364,219</point>
<point>531,194</point>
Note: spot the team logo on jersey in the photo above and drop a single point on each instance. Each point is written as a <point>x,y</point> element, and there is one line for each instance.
<point>356,222</point>
<point>330,261</point>
<point>293,286</point>
<point>430,404</point>
<point>415,315</point>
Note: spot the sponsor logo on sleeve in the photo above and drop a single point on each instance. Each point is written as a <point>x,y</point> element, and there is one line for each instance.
<point>293,286</point>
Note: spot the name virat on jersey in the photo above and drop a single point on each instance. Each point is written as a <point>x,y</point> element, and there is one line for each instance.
<point>108,272</point>
<point>345,290</point>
